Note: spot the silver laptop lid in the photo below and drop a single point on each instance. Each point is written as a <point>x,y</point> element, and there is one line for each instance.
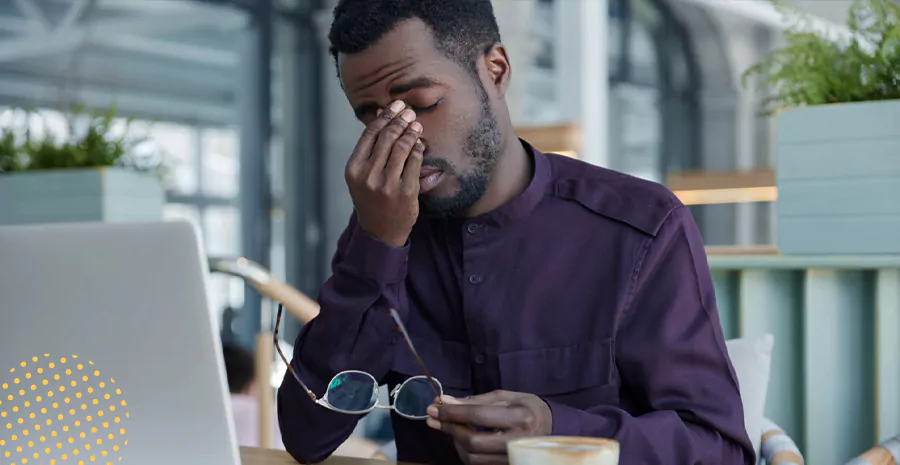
<point>108,349</point>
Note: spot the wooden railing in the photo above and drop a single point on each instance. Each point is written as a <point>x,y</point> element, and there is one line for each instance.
<point>691,187</point>
<point>835,375</point>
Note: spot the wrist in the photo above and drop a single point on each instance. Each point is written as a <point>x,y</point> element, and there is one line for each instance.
<point>371,258</point>
<point>396,242</point>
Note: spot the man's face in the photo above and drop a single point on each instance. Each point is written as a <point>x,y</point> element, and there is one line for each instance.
<point>461,135</point>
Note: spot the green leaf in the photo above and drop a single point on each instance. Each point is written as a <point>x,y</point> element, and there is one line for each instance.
<point>90,144</point>
<point>813,69</point>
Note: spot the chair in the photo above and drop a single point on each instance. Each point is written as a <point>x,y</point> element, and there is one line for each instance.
<point>885,453</point>
<point>776,447</point>
<point>303,309</point>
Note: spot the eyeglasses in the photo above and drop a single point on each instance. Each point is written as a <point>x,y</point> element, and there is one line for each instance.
<point>356,392</point>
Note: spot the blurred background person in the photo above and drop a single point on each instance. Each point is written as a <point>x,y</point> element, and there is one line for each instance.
<point>240,368</point>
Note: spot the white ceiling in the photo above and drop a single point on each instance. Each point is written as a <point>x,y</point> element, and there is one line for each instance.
<point>157,58</point>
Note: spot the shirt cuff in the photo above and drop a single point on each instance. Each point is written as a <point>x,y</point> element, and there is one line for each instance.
<point>566,420</point>
<point>372,259</point>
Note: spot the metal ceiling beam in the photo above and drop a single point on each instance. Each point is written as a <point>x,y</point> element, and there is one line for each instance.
<point>143,6</point>
<point>67,40</point>
<point>73,14</point>
<point>30,10</point>
<point>151,106</point>
<point>18,25</point>
<point>164,48</point>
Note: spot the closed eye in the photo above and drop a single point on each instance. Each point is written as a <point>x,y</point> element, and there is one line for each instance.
<point>425,109</point>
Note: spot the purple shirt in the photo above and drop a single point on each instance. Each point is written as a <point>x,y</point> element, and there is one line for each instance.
<point>590,289</point>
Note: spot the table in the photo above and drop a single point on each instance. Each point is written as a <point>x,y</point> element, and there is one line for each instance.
<point>254,456</point>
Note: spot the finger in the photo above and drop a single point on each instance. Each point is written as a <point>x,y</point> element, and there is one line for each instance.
<point>476,442</point>
<point>401,151</point>
<point>432,410</point>
<point>386,140</point>
<point>410,176</point>
<point>493,397</point>
<point>488,459</point>
<point>489,416</point>
<point>367,140</point>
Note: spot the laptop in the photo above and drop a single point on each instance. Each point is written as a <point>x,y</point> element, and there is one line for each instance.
<point>109,351</point>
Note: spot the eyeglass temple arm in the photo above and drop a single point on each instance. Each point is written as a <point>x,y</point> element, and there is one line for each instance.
<point>402,329</point>
<point>290,367</point>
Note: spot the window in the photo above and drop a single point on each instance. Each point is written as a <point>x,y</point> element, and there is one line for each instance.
<point>202,187</point>
<point>653,96</point>
<point>654,119</point>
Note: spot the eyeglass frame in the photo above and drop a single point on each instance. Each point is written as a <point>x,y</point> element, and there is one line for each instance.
<point>323,401</point>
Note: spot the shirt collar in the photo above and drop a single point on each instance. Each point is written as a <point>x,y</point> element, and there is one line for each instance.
<point>528,199</point>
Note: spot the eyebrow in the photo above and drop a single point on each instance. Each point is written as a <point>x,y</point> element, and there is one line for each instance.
<point>417,83</point>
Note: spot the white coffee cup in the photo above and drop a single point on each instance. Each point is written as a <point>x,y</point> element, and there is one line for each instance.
<point>563,450</point>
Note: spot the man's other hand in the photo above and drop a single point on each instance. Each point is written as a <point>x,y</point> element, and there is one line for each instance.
<point>482,425</point>
<point>383,174</point>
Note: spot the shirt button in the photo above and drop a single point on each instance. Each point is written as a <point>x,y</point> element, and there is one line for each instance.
<point>472,227</point>
<point>393,339</point>
<point>479,359</point>
<point>475,279</point>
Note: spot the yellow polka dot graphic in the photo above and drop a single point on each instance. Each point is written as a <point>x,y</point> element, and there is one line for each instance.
<point>58,410</point>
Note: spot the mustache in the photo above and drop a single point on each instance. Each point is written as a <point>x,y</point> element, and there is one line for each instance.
<point>437,163</point>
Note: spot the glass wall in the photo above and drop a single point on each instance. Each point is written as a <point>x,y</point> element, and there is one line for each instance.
<point>654,122</point>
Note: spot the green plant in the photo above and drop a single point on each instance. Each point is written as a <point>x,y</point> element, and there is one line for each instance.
<point>92,141</point>
<point>816,69</point>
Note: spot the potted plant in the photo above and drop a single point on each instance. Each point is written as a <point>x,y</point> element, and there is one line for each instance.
<point>837,105</point>
<point>100,170</point>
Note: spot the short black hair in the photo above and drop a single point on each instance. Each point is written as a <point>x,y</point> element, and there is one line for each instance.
<point>461,28</point>
<point>240,367</point>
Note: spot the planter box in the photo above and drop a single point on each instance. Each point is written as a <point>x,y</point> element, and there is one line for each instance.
<point>92,195</point>
<point>838,177</point>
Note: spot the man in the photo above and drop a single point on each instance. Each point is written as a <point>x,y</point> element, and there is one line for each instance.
<point>565,298</point>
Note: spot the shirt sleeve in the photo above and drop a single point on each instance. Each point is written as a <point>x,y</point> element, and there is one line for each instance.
<point>352,331</point>
<point>674,365</point>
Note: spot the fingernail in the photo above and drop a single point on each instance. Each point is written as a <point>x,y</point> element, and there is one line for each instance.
<point>432,423</point>
<point>408,115</point>
<point>432,411</point>
<point>379,112</point>
<point>397,106</point>
<point>416,126</point>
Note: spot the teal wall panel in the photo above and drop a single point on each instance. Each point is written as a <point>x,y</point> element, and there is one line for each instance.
<point>887,354</point>
<point>839,365</point>
<point>835,373</point>
<point>769,302</point>
<point>838,189</point>
<point>78,195</point>
<point>726,283</point>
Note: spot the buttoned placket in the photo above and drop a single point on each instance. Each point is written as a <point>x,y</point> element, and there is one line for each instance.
<point>475,258</point>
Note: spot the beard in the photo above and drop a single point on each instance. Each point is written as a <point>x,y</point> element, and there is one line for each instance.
<point>482,145</point>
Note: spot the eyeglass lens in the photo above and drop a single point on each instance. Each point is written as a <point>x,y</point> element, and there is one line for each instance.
<point>352,392</point>
<point>414,397</point>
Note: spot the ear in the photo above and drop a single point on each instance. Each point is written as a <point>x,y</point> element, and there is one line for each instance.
<point>498,68</point>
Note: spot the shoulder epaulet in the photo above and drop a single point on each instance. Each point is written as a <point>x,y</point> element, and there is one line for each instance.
<point>641,204</point>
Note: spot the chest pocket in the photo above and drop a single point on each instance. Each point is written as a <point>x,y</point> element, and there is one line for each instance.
<point>580,375</point>
<point>447,361</point>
